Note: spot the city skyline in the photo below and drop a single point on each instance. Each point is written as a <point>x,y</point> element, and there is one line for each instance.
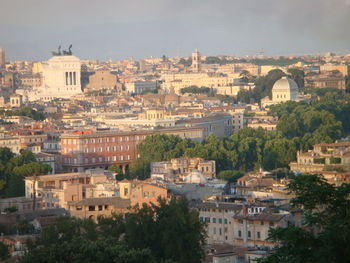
<point>117,30</point>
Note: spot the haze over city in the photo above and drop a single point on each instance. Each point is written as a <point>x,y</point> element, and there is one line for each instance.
<point>137,28</point>
<point>183,131</point>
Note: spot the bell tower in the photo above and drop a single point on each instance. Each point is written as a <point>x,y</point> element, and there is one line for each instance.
<point>196,61</point>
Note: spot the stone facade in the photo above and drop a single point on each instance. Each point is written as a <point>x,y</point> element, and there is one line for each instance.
<point>103,80</point>
<point>87,149</point>
<point>329,156</point>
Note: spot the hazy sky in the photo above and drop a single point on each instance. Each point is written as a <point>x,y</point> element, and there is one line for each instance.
<point>116,29</point>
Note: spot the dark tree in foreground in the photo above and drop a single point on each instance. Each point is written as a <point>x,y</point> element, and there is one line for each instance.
<point>325,236</point>
<point>168,233</point>
<point>4,252</point>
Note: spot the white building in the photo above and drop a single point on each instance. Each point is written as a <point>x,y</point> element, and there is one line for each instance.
<point>138,87</point>
<point>284,89</point>
<point>61,79</point>
<point>10,142</point>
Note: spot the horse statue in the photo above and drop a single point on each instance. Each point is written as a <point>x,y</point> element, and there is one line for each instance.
<point>69,52</point>
<point>57,53</point>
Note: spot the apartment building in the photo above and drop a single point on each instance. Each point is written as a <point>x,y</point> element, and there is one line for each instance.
<point>179,168</point>
<point>95,207</point>
<point>30,80</point>
<point>220,124</point>
<point>11,142</point>
<point>178,81</point>
<point>252,225</point>
<point>56,190</point>
<point>138,87</point>
<point>139,192</point>
<point>103,80</point>
<point>87,149</point>
<point>326,81</point>
<point>219,219</point>
<point>267,126</point>
<point>324,156</point>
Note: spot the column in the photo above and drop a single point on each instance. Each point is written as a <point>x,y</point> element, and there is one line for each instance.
<point>74,78</point>
<point>66,78</point>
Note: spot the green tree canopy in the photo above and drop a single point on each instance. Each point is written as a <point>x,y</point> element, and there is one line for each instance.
<point>13,169</point>
<point>168,233</point>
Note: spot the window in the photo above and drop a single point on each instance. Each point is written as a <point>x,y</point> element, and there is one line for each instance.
<point>214,231</point>
<point>258,235</point>
<point>262,223</point>
<point>100,159</point>
<point>146,194</point>
<point>214,220</point>
<point>270,223</point>
<point>91,208</point>
<point>100,208</point>
<point>249,234</point>
<point>220,220</point>
<point>225,221</point>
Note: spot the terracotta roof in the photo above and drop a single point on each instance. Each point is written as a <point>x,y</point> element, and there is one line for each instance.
<point>262,217</point>
<point>115,201</point>
<point>219,205</point>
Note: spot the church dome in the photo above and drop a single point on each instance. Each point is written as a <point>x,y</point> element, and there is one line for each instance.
<point>285,84</point>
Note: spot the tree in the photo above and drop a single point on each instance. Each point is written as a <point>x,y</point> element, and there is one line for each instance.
<point>263,87</point>
<point>16,181</point>
<point>325,235</point>
<point>156,148</point>
<point>245,76</point>
<point>25,111</point>
<point>195,90</point>
<point>298,76</point>
<point>171,230</point>
<point>279,152</point>
<point>4,252</point>
<point>76,240</point>
<point>230,175</point>
<point>168,233</point>
<point>119,172</point>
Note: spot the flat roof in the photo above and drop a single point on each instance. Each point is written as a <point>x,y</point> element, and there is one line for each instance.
<point>128,133</point>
